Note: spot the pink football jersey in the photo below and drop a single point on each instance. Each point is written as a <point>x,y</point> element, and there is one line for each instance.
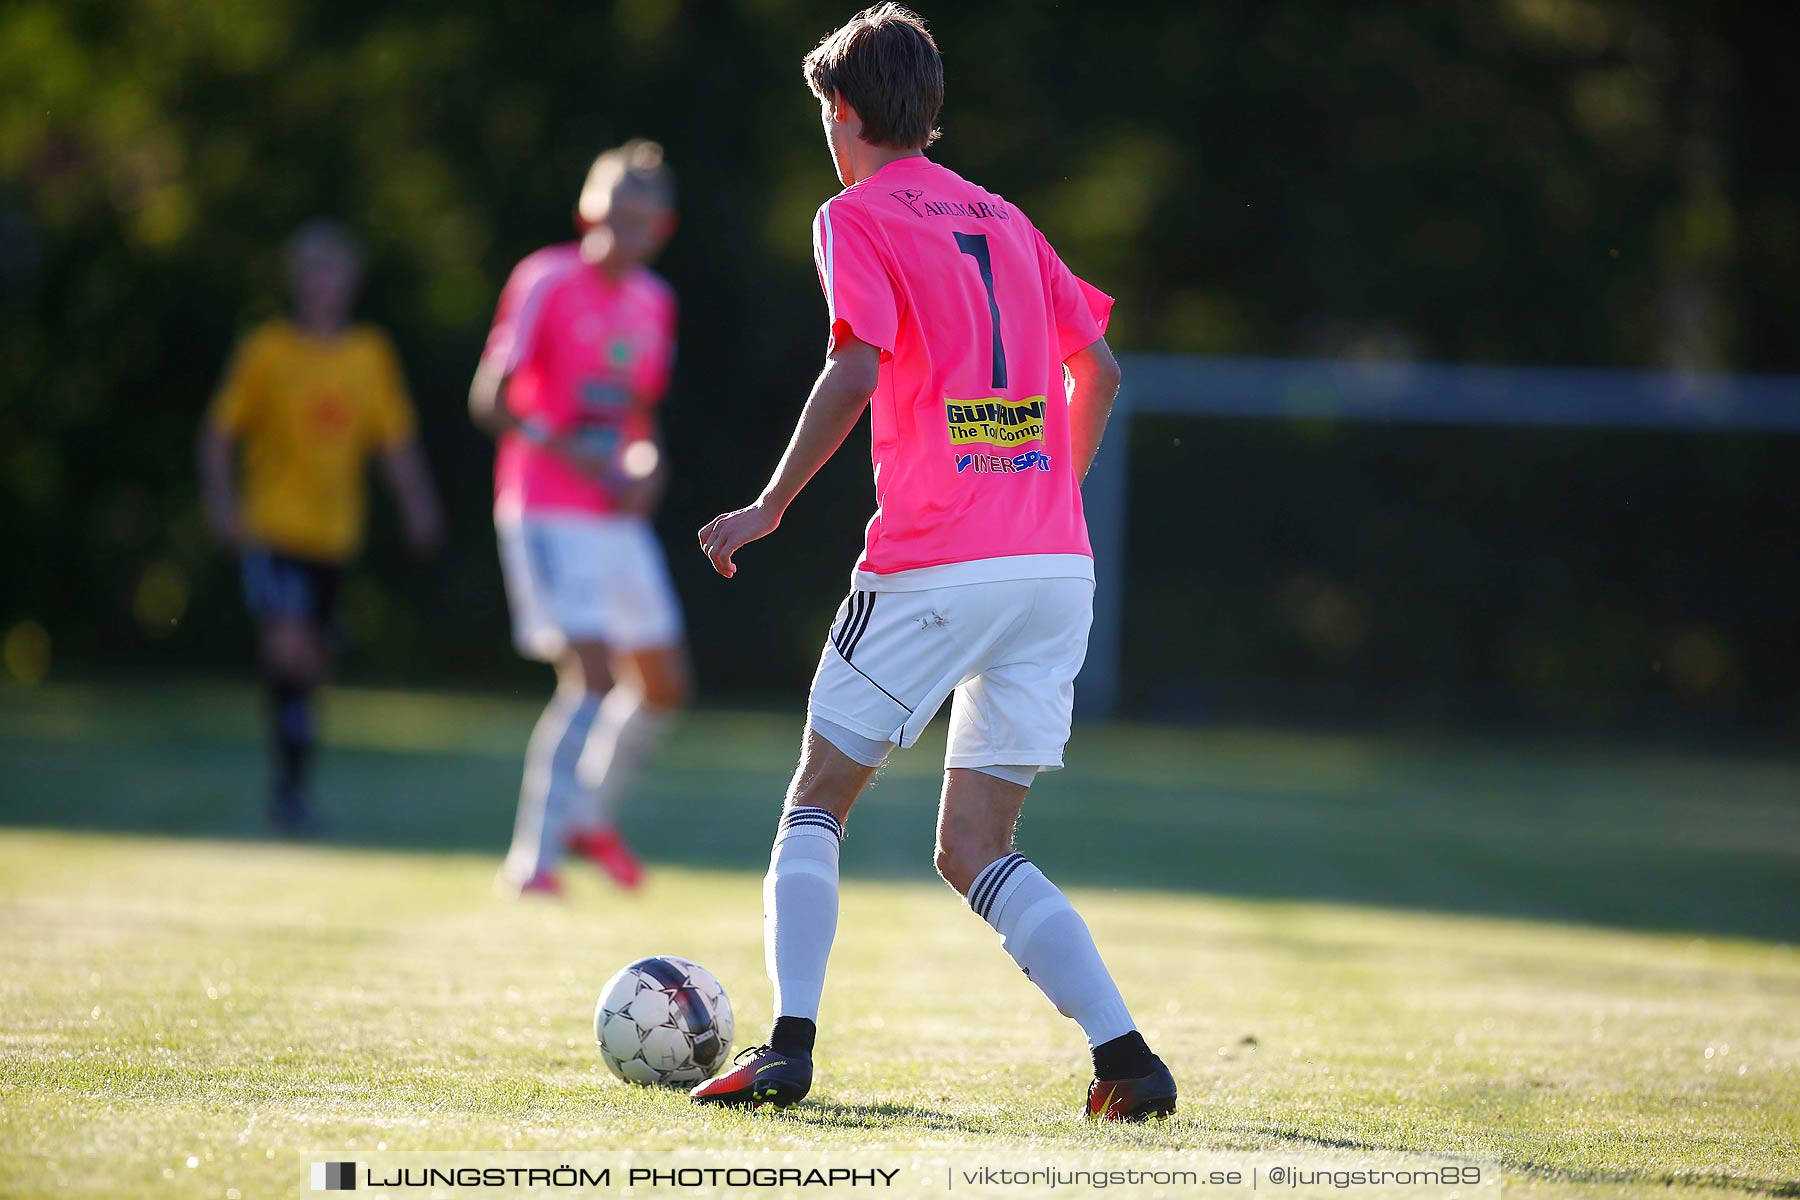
<point>973,313</point>
<point>587,357</point>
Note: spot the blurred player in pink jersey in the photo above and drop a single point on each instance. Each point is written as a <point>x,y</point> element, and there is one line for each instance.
<point>983,361</point>
<point>578,359</point>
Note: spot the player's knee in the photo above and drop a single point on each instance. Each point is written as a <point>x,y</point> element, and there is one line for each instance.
<point>668,693</point>
<point>946,865</point>
<point>662,677</point>
<point>569,675</point>
<point>958,862</point>
<point>292,654</point>
<point>583,668</point>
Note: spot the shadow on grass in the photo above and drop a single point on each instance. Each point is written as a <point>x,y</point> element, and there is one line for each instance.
<point>1629,840</point>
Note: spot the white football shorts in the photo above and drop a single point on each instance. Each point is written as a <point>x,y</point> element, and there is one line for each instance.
<point>577,578</point>
<point>1009,650</point>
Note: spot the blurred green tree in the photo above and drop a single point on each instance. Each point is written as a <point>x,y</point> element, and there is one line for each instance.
<point>1561,181</point>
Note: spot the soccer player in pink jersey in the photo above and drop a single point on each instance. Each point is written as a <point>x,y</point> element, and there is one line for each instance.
<point>578,359</point>
<point>982,359</point>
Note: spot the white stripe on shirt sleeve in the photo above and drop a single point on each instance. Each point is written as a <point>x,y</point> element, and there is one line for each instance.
<point>822,251</point>
<point>524,323</point>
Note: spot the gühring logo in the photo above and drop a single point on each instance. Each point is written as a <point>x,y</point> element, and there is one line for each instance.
<point>334,1177</point>
<point>995,421</point>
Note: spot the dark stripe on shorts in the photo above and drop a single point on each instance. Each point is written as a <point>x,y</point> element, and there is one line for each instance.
<point>843,626</point>
<point>542,554</point>
<point>897,700</point>
<point>862,627</point>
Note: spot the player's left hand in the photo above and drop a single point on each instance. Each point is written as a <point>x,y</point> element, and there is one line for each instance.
<point>638,493</point>
<point>725,535</point>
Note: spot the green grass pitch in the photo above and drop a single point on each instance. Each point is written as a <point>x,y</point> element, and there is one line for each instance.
<point>1580,965</point>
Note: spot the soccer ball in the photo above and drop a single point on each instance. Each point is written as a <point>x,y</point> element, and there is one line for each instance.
<point>663,1020</point>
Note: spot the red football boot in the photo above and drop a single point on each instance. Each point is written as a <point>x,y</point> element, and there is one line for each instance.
<point>607,850</point>
<point>1153,1095</point>
<point>761,1075</point>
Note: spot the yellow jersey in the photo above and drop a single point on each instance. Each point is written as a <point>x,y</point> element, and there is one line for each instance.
<point>308,411</point>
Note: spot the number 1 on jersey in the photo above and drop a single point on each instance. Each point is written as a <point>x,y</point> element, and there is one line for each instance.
<point>975,245</point>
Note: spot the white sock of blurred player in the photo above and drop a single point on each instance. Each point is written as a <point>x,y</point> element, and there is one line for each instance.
<point>1044,934</point>
<point>800,908</point>
<point>549,794</point>
<point>624,734</point>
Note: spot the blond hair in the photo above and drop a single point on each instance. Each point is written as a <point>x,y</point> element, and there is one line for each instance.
<point>637,164</point>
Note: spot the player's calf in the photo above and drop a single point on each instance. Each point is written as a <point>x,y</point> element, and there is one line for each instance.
<point>800,911</point>
<point>975,821</point>
<point>293,646</point>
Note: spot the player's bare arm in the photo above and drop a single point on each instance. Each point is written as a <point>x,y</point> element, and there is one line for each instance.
<point>214,452</point>
<point>839,395</point>
<point>403,466</point>
<point>492,415</point>
<point>1093,383</point>
<point>487,402</point>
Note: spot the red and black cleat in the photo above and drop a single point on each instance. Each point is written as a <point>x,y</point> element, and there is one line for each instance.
<point>761,1075</point>
<point>608,851</point>
<point>1152,1095</point>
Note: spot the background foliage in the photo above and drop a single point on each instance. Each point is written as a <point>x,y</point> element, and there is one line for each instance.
<point>1560,181</point>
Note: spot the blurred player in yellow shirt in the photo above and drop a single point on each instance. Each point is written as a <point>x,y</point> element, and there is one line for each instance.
<point>307,401</point>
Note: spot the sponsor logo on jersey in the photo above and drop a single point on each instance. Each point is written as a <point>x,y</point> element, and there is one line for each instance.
<point>330,412</point>
<point>997,422</point>
<point>981,210</point>
<point>1001,464</point>
<point>600,397</point>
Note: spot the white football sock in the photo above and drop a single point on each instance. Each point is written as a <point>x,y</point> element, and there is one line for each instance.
<point>800,908</point>
<point>1051,943</point>
<point>550,790</point>
<point>624,734</point>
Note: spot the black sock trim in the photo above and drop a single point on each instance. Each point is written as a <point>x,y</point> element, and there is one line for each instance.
<point>989,882</point>
<point>987,907</point>
<point>809,815</point>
